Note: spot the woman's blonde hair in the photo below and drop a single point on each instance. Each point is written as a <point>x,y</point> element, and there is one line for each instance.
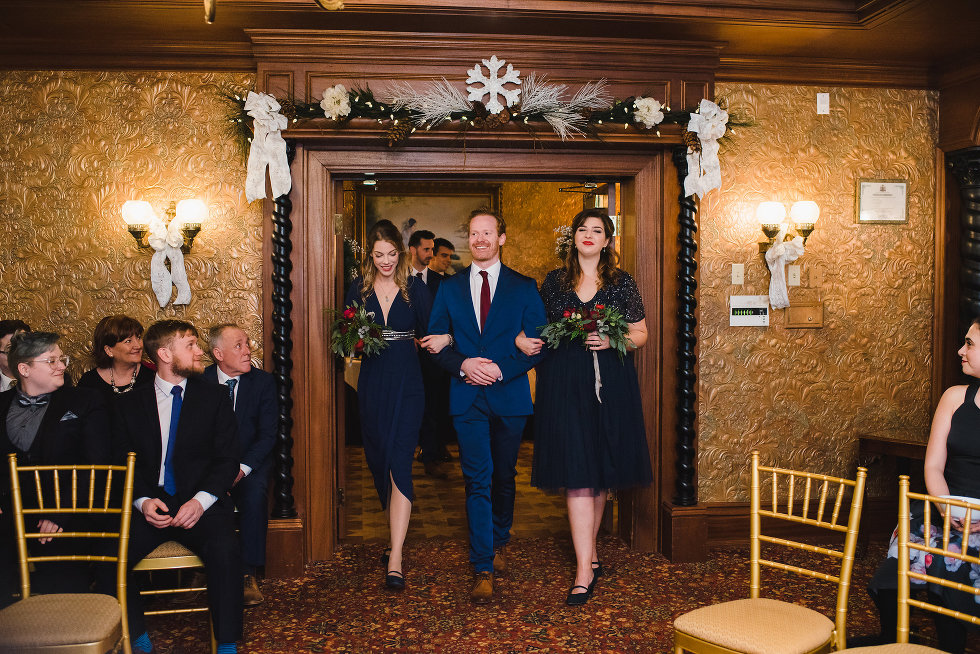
<point>384,230</point>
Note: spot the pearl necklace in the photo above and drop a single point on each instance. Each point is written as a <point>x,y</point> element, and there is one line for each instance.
<point>122,389</point>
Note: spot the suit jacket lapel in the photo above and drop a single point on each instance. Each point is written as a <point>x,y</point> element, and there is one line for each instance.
<point>49,423</point>
<point>468,295</point>
<point>503,287</point>
<point>148,397</point>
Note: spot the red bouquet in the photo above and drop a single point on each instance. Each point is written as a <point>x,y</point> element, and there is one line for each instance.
<point>354,332</point>
<point>578,324</point>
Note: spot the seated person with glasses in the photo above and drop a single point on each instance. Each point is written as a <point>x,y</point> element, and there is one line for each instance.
<point>7,330</point>
<point>46,422</point>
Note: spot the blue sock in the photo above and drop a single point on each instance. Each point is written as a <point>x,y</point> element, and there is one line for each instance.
<point>227,648</point>
<point>143,644</point>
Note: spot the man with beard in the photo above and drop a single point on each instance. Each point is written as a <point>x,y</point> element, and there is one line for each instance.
<point>485,307</point>
<point>185,436</point>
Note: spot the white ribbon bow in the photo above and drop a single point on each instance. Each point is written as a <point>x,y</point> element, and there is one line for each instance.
<point>166,242</point>
<point>268,148</point>
<point>781,253</point>
<point>703,168</point>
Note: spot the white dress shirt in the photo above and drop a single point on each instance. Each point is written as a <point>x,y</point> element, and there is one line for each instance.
<point>476,284</point>
<point>222,378</point>
<point>5,382</point>
<point>165,402</point>
<point>425,274</point>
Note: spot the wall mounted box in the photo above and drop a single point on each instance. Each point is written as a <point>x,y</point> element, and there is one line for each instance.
<point>805,315</point>
<point>748,310</point>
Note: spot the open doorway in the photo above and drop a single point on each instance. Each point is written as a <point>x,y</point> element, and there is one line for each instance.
<point>535,211</point>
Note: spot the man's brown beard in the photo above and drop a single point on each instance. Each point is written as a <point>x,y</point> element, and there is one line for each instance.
<point>187,372</point>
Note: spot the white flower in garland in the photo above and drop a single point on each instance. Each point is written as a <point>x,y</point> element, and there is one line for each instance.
<point>336,102</point>
<point>648,112</point>
<point>268,148</point>
<point>704,168</point>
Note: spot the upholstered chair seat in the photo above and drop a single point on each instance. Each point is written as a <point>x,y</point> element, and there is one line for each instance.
<point>60,620</point>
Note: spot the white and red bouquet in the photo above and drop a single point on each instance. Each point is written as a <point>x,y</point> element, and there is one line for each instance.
<point>578,324</point>
<point>354,332</point>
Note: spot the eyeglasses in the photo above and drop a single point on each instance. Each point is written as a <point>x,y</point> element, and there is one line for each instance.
<point>64,359</point>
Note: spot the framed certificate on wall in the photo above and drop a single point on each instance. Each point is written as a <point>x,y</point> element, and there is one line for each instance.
<point>881,201</point>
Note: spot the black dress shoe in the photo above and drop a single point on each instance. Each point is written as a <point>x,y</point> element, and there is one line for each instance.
<point>395,580</point>
<point>578,599</point>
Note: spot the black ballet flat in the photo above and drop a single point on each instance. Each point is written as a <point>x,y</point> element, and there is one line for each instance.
<point>395,580</point>
<point>597,570</point>
<point>578,599</point>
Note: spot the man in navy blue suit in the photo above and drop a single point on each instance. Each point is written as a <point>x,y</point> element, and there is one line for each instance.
<point>253,395</point>
<point>485,307</point>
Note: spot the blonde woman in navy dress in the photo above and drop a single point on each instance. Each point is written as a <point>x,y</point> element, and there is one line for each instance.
<point>588,442</point>
<point>390,393</point>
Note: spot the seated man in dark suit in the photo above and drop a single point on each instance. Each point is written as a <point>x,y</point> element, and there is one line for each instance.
<point>253,395</point>
<point>46,422</point>
<point>185,437</point>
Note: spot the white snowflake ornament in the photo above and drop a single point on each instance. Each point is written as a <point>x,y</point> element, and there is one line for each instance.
<point>493,85</point>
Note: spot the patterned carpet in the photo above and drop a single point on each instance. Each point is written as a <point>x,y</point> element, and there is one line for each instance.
<point>342,605</point>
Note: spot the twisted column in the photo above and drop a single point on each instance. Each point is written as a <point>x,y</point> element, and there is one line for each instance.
<point>282,348</point>
<point>685,491</point>
<point>964,165</point>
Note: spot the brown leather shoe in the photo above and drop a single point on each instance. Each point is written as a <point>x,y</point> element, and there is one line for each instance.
<point>253,595</point>
<point>436,469</point>
<point>500,561</point>
<point>482,591</point>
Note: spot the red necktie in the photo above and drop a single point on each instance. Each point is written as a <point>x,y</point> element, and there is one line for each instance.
<point>484,299</point>
<point>419,275</point>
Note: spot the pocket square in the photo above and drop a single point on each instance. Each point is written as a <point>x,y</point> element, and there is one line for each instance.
<point>68,416</point>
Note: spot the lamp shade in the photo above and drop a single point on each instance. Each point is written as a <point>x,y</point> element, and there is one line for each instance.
<point>805,211</point>
<point>137,212</point>
<point>192,212</point>
<point>770,213</point>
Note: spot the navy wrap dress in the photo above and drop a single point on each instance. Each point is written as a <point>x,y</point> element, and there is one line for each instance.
<point>390,394</point>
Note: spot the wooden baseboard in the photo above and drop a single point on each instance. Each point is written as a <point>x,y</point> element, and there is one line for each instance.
<point>688,531</point>
<point>284,549</point>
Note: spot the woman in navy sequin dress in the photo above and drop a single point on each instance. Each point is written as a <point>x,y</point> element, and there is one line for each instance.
<point>589,439</point>
<point>390,393</point>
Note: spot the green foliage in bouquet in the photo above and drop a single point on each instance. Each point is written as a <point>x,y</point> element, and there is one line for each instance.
<point>578,324</point>
<point>354,332</point>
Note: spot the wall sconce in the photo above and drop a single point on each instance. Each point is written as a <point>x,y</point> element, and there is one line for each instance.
<point>138,215</point>
<point>772,216</point>
<point>804,214</point>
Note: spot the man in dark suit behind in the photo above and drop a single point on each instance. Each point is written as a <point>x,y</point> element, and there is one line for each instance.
<point>46,422</point>
<point>432,447</point>
<point>185,436</point>
<point>253,395</point>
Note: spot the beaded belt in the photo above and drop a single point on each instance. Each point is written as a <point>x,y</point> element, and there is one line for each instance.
<point>390,335</point>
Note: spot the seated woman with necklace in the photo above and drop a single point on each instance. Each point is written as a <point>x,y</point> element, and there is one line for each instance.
<point>117,346</point>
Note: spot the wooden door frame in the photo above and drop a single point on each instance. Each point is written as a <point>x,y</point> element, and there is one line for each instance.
<point>651,205</point>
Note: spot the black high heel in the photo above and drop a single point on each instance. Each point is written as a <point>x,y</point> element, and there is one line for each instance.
<point>385,556</point>
<point>395,580</point>
<point>597,569</point>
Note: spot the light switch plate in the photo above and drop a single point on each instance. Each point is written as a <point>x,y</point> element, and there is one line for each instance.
<point>823,103</point>
<point>738,273</point>
<point>792,275</point>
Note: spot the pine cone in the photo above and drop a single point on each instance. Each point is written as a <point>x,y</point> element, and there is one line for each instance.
<point>481,122</point>
<point>288,109</point>
<point>692,141</point>
<point>479,108</point>
<point>503,116</point>
<point>399,132</point>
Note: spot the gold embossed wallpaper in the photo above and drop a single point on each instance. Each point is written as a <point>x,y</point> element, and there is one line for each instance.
<point>800,396</point>
<point>533,210</point>
<point>73,147</point>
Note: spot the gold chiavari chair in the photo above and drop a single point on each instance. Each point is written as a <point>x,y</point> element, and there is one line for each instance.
<point>936,544</point>
<point>174,556</point>
<point>84,622</point>
<point>762,625</point>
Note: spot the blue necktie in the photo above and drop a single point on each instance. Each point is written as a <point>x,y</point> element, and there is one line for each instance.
<point>169,483</point>
<point>231,383</point>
